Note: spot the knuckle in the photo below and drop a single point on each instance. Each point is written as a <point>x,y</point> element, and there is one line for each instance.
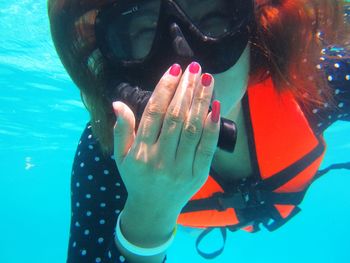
<point>167,85</point>
<point>191,85</point>
<point>206,152</point>
<point>175,115</point>
<point>140,154</point>
<point>193,128</point>
<point>205,99</point>
<point>154,110</point>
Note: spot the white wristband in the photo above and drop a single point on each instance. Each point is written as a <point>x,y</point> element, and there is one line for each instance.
<point>140,250</point>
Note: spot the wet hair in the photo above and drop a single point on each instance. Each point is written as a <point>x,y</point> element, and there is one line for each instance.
<point>286,45</point>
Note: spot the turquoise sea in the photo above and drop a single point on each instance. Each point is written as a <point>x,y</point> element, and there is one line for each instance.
<point>41,120</point>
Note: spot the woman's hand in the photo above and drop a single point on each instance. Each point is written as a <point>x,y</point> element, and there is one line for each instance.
<point>167,161</point>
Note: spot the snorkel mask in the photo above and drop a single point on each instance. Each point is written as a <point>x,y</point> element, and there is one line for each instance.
<point>140,39</point>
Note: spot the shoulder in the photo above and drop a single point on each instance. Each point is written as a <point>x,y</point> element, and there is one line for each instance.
<point>92,170</point>
<point>335,63</point>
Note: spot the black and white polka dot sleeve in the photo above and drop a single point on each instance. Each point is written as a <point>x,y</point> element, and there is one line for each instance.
<point>97,197</point>
<point>335,63</point>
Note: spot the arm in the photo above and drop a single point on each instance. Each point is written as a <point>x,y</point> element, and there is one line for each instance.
<point>97,197</point>
<point>159,177</point>
<point>335,63</point>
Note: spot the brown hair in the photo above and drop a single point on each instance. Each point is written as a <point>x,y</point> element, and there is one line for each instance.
<point>285,46</point>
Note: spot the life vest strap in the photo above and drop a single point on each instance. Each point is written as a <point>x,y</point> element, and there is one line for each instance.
<point>276,220</point>
<point>242,200</point>
<point>285,198</point>
<point>290,172</point>
<point>215,253</point>
<point>271,223</point>
<point>218,201</point>
<point>222,201</point>
<point>332,167</point>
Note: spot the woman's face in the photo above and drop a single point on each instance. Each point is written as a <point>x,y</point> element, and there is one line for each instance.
<point>230,85</point>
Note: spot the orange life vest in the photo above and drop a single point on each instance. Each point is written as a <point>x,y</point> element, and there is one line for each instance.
<point>288,155</point>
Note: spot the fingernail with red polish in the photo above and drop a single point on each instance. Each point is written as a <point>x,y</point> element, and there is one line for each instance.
<point>206,79</point>
<point>215,113</point>
<point>175,70</point>
<point>194,68</point>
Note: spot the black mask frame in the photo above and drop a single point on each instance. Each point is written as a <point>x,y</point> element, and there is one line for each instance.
<point>177,40</point>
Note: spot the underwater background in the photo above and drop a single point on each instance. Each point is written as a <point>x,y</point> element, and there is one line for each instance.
<point>41,120</point>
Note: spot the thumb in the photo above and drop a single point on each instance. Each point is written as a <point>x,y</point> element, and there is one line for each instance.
<point>124,130</point>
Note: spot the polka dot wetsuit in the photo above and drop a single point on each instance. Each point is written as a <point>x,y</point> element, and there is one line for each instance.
<point>98,193</point>
<point>98,196</point>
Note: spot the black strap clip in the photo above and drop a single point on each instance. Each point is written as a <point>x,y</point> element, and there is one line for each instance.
<point>240,199</point>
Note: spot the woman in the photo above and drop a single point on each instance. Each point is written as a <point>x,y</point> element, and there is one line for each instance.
<point>148,161</point>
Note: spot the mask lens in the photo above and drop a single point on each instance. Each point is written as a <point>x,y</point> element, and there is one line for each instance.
<point>214,17</point>
<point>130,27</point>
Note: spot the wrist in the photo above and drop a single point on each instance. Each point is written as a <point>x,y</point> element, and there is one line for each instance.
<point>151,209</point>
<point>141,250</point>
<point>145,227</point>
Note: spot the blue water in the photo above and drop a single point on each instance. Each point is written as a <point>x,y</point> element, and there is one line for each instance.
<point>41,119</point>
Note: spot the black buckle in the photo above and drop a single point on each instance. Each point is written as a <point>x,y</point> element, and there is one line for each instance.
<point>236,200</point>
<point>240,200</point>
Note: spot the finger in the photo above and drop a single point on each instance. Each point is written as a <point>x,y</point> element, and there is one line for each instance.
<point>153,115</point>
<point>177,112</point>
<point>124,130</point>
<point>193,128</point>
<point>207,144</point>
